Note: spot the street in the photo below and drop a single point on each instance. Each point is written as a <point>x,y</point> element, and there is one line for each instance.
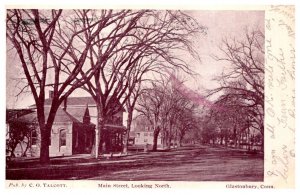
<point>189,163</point>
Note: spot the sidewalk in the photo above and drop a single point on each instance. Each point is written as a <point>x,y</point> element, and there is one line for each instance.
<point>77,159</point>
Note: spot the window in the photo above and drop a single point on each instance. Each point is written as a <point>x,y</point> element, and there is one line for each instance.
<point>145,134</point>
<point>145,140</point>
<point>62,137</point>
<point>137,134</point>
<point>34,138</point>
<point>151,135</point>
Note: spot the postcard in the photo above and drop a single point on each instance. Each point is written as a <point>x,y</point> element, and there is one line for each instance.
<point>150,98</point>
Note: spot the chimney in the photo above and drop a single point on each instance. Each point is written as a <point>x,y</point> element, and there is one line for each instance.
<point>51,94</point>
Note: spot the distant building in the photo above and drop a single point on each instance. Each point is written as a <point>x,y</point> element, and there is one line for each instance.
<point>142,134</point>
<point>143,137</point>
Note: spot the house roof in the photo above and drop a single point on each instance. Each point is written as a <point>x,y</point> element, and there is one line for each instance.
<point>69,117</point>
<point>77,112</point>
<point>74,102</point>
<point>61,116</point>
<point>12,114</point>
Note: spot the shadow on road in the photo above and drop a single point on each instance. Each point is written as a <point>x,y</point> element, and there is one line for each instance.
<point>191,163</point>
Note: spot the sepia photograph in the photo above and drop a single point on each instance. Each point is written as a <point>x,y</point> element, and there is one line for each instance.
<point>135,95</point>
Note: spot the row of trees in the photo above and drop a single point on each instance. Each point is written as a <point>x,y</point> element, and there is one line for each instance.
<point>105,52</point>
<point>235,117</point>
<point>238,112</point>
<point>169,112</point>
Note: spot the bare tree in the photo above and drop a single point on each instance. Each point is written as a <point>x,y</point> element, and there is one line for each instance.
<point>150,105</point>
<point>49,44</point>
<point>177,115</point>
<point>242,87</point>
<point>19,134</point>
<point>169,112</point>
<point>138,42</point>
<point>130,105</point>
<point>208,130</point>
<point>187,121</point>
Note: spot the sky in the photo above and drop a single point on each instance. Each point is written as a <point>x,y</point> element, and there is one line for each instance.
<point>220,24</point>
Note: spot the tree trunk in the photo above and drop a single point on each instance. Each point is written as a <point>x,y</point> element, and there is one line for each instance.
<point>97,146</point>
<point>179,142</point>
<point>126,138</point>
<point>26,149</point>
<point>164,139</point>
<point>12,153</point>
<point>129,120</point>
<point>169,142</point>
<point>235,136</point>
<point>45,129</point>
<point>44,152</point>
<point>248,138</point>
<point>155,137</point>
<point>22,150</point>
<point>167,138</point>
<point>102,147</point>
